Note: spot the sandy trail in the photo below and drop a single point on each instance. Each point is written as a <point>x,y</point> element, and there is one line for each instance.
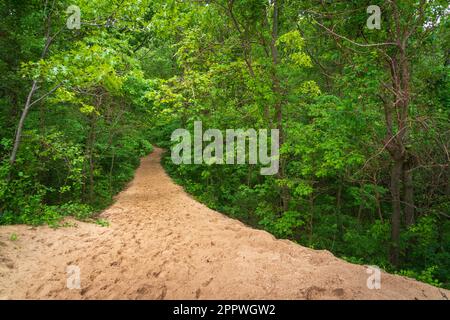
<point>162,244</point>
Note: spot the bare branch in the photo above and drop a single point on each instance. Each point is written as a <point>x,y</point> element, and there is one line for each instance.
<point>353,42</point>
<point>47,94</point>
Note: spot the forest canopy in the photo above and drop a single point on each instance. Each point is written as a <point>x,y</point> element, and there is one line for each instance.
<point>362,110</point>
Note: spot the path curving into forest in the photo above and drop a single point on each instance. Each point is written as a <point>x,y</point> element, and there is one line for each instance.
<point>162,244</point>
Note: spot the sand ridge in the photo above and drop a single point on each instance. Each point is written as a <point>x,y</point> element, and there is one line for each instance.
<point>162,244</point>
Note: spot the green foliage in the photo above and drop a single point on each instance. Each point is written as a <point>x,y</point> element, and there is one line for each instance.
<point>284,226</point>
<point>102,222</point>
<point>370,244</point>
<point>82,142</point>
<point>334,189</point>
<point>426,275</point>
<point>138,70</point>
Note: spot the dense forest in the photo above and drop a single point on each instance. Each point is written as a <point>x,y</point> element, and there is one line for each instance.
<point>363,113</point>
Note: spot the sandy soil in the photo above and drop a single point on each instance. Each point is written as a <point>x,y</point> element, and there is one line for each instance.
<point>162,244</point>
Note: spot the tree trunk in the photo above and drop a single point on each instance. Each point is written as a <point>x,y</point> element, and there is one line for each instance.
<point>378,203</point>
<point>34,87</point>
<point>25,111</point>
<point>276,87</point>
<point>90,143</point>
<point>447,185</point>
<point>408,195</point>
<point>395,187</point>
<point>111,172</point>
<point>340,228</point>
<point>311,219</point>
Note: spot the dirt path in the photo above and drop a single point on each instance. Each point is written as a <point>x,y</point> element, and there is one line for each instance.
<point>161,244</point>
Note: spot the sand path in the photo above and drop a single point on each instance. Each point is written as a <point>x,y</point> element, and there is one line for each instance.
<point>162,244</point>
